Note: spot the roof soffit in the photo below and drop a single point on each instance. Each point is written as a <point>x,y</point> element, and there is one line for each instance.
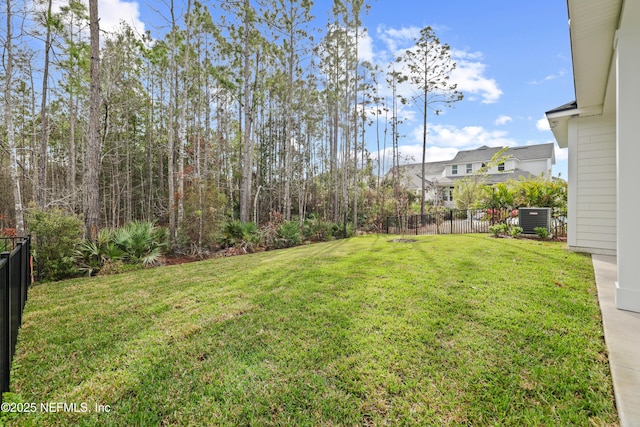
<point>593,24</point>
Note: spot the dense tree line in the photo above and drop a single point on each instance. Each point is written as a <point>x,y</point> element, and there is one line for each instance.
<point>237,110</point>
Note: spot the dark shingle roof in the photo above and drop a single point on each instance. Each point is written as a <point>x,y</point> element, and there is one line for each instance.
<point>564,107</point>
<point>481,154</point>
<point>484,154</point>
<point>532,152</point>
<point>413,172</point>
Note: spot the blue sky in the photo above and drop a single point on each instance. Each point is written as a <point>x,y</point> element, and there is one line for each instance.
<point>513,64</point>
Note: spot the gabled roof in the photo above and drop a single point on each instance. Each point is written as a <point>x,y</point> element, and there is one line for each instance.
<point>481,154</point>
<point>525,152</point>
<point>564,107</point>
<point>533,152</point>
<point>413,172</point>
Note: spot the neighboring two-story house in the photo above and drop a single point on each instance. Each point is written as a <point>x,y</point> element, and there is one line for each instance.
<point>441,177</point>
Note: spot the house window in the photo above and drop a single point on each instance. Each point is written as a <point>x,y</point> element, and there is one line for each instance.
<point>469,168</point>
<point>501,167</point>
<point>448,194</point>
<point>454,169</point>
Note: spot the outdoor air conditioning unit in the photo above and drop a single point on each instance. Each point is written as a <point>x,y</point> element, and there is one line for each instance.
<point>531,218</point>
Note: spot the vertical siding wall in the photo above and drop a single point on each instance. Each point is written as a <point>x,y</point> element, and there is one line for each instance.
<point>592,197</point>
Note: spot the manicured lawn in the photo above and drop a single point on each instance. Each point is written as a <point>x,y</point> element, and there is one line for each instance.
<point>447,330</point>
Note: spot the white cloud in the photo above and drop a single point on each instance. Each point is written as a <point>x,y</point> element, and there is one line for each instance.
<point>395,37</point>
<point>562,154</point>
<point>111,13</point>
<point>365,46</point>
<point>561,73</point>
<point>543,124</point>
<point>469,74</point>
<point>468,137</point>
<point>503,120</point>
<point>471,79</point>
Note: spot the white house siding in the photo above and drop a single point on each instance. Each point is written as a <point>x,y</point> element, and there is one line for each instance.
<point>592,185</point>
<point>627,61</point>
<point>536,167</point>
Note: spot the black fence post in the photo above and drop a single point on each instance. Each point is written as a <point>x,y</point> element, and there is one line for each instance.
<point>5,331</point>
<point>451,222</point>
<point>15,278</point>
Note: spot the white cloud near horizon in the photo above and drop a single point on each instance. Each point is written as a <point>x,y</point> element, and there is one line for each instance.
<point>468,137</point>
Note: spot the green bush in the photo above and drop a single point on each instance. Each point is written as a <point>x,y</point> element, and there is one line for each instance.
<point>288,234</point>
<point>141,241</point>
<point>56,234</point>
<point>318,230</point>
<point>503,229</point>
<point>243,235</point>
<point>515,231</point>
<point>204,218</point>
<point>542,232</point>
<point>91,256</point>
<point>499,229</point>
<point>137,243</point>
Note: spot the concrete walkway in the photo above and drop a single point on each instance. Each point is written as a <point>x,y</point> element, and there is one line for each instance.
<point>622,335</point>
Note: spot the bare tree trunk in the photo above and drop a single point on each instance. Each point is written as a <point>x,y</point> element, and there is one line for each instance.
<point>8,123</point>
<point>247,155</point>
<point>92,163</point>
<point>44,124</point>
<point>355,134</point>
<point>170,133</point>
<point>182,127</point>
<point>71,177</point>
<point>425,105</point>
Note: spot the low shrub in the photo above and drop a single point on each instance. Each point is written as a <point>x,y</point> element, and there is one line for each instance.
<point>504,229</point>
<point>318,230</point>
<point>56,234</point>
<point>542,232</point>
<point>142,242</point>
<point>515,231</point>
<point>243,235</point>
<point>288,234</point>
<point>137,243</point>
<point>498,229</point>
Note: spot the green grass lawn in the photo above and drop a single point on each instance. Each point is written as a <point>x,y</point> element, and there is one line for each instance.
<point>447,330</point>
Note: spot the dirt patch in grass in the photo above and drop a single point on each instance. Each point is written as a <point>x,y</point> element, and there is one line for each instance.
<point>403,240</point>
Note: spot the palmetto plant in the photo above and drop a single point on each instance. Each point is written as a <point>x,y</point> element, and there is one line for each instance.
<point>288,234</point>
<point>92,255</point>
<point>138,242</point>
<point>243,235</point>
<point>141,241</point>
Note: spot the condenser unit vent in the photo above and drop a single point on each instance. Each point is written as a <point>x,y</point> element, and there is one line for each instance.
<point>531,218</point>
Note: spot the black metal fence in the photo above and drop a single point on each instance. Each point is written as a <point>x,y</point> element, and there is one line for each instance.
<point>455,221</point>
<point>15,279</point>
